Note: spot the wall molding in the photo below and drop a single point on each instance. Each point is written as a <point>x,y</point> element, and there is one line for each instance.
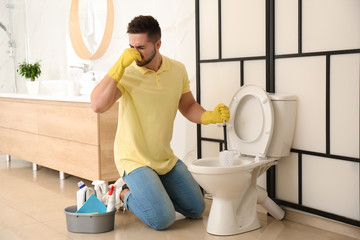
<point>321,223</point>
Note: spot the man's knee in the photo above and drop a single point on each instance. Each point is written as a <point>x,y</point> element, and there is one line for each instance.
<point>163,220</point>
<point>197,209</point>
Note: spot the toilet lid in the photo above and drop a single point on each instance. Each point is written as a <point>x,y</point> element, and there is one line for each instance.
<point>251,121</point>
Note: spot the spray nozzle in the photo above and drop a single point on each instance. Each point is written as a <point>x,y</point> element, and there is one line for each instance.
<point>111,190</point>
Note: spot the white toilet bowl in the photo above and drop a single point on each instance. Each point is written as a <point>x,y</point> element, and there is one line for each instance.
<point>255,125</point>
<point>234,192</point>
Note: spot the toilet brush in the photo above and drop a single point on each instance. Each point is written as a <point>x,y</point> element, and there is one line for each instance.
<point>226,158</point>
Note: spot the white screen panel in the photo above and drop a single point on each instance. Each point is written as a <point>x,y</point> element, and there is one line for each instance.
<point>305,78</point>
<point>243,28</point>
<point>287,179</point>
<point>335,190</point>
<point>331,25</point>
<point>286,25</point>
<point>210,149</point>
<point>209,29</point>
<point>219,82</point>
<point>255,73</point>
<point>344,105</point>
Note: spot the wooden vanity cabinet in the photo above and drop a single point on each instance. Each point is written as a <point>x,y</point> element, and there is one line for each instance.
<point>61,135</point>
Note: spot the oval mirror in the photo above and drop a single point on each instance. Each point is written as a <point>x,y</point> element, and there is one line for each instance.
<point>85,34</point>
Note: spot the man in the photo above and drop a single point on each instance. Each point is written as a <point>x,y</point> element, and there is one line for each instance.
<point>151,88</point>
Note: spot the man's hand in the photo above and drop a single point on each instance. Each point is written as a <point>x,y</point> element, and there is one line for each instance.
<point>220,113</point>
<point>117,70</point>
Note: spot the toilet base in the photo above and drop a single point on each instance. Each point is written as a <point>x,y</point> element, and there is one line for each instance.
<point>223,220</point>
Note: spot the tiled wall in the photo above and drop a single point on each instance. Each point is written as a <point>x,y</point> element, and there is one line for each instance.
<point>13,10</point>
<point>39,31</point>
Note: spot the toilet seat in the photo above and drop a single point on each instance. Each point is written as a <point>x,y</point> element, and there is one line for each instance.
<point>251,121</point>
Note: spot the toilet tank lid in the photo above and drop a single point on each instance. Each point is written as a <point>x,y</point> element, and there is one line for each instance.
<point>282,97</point>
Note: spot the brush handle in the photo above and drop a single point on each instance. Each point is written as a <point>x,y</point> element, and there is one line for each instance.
<point>225,137</point>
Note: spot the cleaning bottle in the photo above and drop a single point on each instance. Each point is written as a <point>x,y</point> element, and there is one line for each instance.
<point>111,199</point>
<point>83,194</point>
<point>100,188</point>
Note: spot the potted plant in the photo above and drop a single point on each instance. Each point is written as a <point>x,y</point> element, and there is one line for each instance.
<point>30,72</point>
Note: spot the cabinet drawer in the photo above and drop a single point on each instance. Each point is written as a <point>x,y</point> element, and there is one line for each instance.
<point>74,158</point>
<point>68,122</point>
<point>20,116</point>
<point>19,144</point>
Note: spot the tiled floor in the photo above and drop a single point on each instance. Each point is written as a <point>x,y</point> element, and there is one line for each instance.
<point>32,207</point>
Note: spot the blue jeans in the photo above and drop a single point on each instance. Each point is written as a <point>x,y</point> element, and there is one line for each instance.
<point>154,198</point>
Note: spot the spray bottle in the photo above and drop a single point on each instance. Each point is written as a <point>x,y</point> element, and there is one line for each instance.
<point>111,200</point>
<point>100,187</point>
<point>83,194</point>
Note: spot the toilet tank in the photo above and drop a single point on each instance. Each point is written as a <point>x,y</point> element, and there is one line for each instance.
<point>284,107</point>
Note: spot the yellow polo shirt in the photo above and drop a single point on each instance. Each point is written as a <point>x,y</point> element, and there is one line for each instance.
<point>147,110</point>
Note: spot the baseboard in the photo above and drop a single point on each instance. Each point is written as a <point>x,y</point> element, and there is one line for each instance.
<point>321,223</point>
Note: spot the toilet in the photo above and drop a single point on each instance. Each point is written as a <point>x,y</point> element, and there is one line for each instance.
<point>260,132</point>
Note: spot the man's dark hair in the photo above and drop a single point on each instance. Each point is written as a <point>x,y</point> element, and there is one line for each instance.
<point>145,24</point>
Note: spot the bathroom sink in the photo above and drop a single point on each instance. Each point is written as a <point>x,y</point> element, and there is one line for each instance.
<point>58,88</point>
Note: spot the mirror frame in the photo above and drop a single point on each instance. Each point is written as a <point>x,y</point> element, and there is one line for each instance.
<point>75,32</point>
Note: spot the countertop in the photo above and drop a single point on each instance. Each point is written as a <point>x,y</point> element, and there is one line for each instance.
<point>85,99</point>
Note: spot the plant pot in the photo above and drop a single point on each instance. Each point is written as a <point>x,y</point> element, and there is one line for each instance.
<point>32,87</point>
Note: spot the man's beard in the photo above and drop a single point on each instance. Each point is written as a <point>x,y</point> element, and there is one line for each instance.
<point>146,62</point>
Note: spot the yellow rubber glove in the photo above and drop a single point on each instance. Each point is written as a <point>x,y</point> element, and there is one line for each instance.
<point>117,70</point>
<point>220,113</point>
